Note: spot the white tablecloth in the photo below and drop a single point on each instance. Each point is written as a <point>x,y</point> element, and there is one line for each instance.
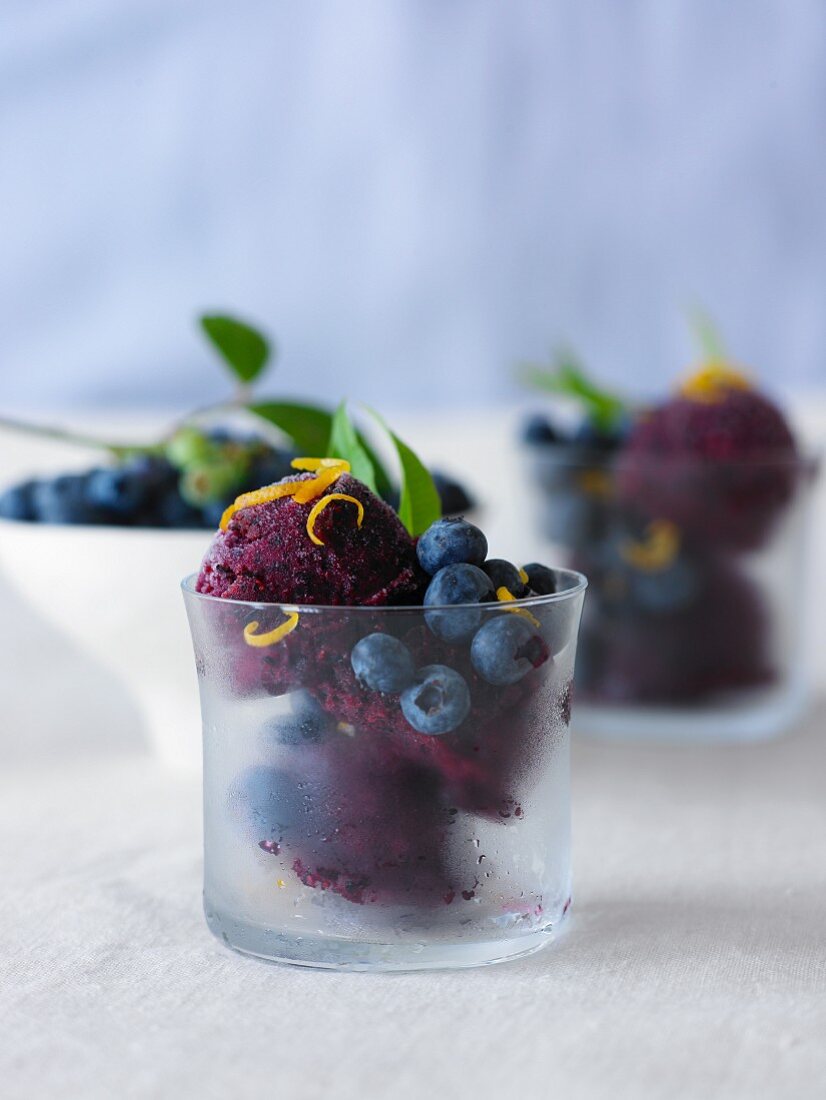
<point>694,964</point>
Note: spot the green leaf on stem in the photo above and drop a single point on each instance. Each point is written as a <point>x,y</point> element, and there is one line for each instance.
<point>419,504</point>
<point>308,426</point>
<point>345,443</point>
<point>567,379</point>
<point>384,486</point>
<point>243,349</point>
<point>707,335</point>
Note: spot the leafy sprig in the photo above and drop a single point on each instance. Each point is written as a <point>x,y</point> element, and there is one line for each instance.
<point>244,350</point>
<point>209,467</point>
<point>419,503</point>
<point>567,378</point>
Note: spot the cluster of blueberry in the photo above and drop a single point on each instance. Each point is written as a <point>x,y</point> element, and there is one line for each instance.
<point>188,484</point>
<point>163,489</point>
<point>540,430</point>
<point>435,699</point>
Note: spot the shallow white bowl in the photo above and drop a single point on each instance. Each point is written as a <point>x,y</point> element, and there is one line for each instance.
<point>115,592</point>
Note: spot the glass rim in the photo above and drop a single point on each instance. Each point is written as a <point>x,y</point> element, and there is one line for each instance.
<point>806,459</point>
<point>579,585</point>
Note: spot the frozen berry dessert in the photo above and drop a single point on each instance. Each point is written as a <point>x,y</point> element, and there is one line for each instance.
<point>719,460</point>
<point>413,694</point>
<point>683,515</point>
<point>294,542</point>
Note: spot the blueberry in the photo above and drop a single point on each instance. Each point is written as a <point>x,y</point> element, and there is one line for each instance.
<point>437,702</point>
<point>17,501</point>
<point>454,497</point>
<point>171,510</point>
<point>457,584</point>
<point>382,663</point>
<point>306,722</point>
<point>594,438</point>
<point>450,541</point>
<point>64,500</point>
<point>220,436</point>
<point>506,648</point>
<point>505,575</point>
<point>541,579</point>
<point>267,469</point>
<point>537,429</point>
<point>212,513</point>
<point>661,591</point>
<point>118,490</point>
<point>270,801</point>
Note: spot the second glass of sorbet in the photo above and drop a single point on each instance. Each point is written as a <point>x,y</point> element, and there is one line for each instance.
<point>339,835</point>
<point>695,628</point>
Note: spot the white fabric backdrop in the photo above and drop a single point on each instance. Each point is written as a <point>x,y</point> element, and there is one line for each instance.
<point>412,195</point>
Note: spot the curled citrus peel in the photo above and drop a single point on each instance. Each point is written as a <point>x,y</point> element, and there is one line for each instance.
<point>327,471</point>
<point>259,496</point>
<point>319,484</point>
<point>523,576</point>
<point>314,464</point>
<point>272,636</point>
<point>595,483</point>
<point>504,595</point>
<point>319,507</point>
<point>657,550</point>
<point>710,382</point>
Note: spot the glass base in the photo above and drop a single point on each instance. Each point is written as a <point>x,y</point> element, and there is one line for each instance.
<point>333,953</point>
<point>760,716</point>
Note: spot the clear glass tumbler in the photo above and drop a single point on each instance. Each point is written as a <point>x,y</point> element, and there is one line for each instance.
<point>695,623</point>
<point>342,828</point>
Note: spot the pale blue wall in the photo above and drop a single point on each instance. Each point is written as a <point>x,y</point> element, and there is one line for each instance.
<point>412,194</point>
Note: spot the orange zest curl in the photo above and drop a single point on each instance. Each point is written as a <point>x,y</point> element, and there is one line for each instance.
<point>313,488</point>
<point>319,507</point>
<point>657,550</point>
<point>272,636</point>
<point>595,483</point>
<point>329,470</point>
<point>259,496</point>
<point>314,464</point>
<point>504,595</point>
<point>710,382</point>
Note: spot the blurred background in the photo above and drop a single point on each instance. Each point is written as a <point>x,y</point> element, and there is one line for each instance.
<point>410,196</point>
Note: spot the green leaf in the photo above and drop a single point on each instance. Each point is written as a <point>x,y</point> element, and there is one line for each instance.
<point>345,443</point>
<point>244,350</point>
<point>419,505</point>
<point>384,485</point>
<point>308,426</point>
<point>568,379</point>
<point>707,335</point>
